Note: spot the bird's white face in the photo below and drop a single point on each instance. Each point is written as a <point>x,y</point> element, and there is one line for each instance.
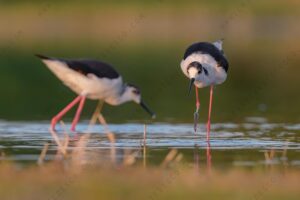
<point>134,94</point>
<point>195,71</point>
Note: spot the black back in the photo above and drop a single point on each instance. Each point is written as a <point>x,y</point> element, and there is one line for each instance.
<point>210,49</point>
<point>100,69</point>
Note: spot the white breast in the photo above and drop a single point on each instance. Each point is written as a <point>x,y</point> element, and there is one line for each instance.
<point>91,85</point>
<point>216,75</point>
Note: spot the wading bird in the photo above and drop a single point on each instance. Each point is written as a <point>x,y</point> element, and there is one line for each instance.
<point>94,80</point>
<point>204,64</point>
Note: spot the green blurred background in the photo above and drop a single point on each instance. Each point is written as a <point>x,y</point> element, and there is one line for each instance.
<point>145,41</point>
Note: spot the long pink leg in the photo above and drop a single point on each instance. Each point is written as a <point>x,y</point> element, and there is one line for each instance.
<point>209,112</point>
<point>56,118</point>
<point>78,112</point>
<point>196,114</point>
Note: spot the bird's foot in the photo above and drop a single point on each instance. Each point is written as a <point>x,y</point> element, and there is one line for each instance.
<point>76,137</point>
<point>53,123</point>
<point>73,129</point>
<point>196,118</point>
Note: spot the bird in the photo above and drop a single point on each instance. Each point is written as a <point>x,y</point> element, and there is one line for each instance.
<point>205,64</point>
<point>94,80</point>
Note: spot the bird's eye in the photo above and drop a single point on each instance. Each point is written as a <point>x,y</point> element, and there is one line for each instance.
<point>136,91</point>
<point>199,72</point>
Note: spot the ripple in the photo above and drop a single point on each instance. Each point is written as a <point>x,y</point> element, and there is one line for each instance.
<point>24,141</point>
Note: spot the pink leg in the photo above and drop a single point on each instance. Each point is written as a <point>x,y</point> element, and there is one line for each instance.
<point>78,112</point>
<point>197,98</point>
<point>209,112</point>
<point>56,118</point>
<point>208,157</point>
<point>196,115</point>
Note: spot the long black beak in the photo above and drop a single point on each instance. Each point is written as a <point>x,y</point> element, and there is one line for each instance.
<point>191,84</point>
<point>146,108</point>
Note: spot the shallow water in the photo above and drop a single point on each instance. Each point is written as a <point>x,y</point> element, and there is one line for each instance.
<point>246,144</point>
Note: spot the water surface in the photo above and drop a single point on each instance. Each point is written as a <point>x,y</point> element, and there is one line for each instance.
<point>232,145</point>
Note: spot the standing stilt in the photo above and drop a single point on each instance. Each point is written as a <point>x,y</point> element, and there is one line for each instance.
<point>205,64</point>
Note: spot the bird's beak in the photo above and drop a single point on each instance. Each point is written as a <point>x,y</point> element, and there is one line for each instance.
<point>191,84</point>
<point>145,107</point>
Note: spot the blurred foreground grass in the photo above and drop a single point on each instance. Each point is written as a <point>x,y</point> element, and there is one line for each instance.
<point>52,181</point>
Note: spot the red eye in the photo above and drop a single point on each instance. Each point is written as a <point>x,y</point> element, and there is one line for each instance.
<point>136,91</point>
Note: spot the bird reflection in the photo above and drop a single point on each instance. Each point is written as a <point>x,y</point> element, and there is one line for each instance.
<point>208,157</point>
<point>197,158</point>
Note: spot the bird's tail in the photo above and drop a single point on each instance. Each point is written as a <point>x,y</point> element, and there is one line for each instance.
<point>219,44</point>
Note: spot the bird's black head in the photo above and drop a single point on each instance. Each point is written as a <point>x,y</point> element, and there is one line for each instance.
<point>134,89</point>
<point>194,70</point>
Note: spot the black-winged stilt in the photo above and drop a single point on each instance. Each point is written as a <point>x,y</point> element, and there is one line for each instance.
<point>204,64</point>
<point>94,80</point>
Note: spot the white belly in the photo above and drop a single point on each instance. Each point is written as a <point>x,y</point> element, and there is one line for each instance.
<point>90,85</point>
<point>216,75</point>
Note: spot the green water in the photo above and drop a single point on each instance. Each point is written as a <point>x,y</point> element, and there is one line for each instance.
<point>232,145</point>
<point>261,82</point>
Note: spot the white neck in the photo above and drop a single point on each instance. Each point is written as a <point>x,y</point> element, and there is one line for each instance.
<point>124,96</point>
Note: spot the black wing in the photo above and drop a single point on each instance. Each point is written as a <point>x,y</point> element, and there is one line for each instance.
<point>98,68</point>
<point>210,49</point>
